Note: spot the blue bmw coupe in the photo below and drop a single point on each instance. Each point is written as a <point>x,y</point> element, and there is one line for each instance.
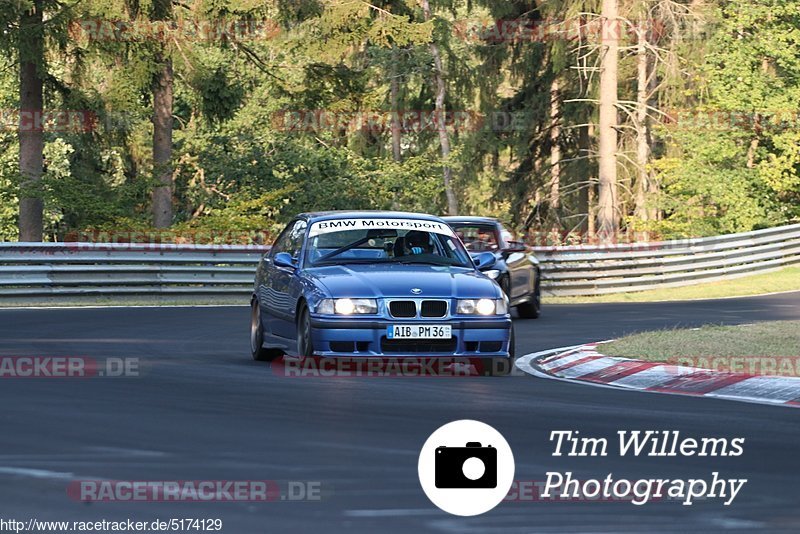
<point>378,284</point>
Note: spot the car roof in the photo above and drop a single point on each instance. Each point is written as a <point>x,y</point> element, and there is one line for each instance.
<point>339,214</point>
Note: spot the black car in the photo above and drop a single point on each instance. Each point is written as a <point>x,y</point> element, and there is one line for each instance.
<point>516,270</point>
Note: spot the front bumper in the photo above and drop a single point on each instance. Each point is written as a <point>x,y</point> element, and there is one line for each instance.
<point>482,337</point>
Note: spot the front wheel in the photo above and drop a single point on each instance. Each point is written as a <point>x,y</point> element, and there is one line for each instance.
<point>305,346</point>
<point>258,352</point>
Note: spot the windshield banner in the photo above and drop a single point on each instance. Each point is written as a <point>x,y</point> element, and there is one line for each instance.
<point>339,225</point>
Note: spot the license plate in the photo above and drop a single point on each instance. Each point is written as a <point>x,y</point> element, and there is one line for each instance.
<point>418,331</point>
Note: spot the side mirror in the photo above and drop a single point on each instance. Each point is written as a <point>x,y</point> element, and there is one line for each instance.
<point>284,259</point>
<point>485,260</point>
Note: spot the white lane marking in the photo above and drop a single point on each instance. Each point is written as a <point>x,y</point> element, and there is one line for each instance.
<point>121,451</point>
<point>332,445</point>
<point>90,453</point>
<point>392,512</point>
<point>729,523</point>
<point>779,389</point>
<point>654,376</point>
<point>558,362</point>
<point>589,367</point>
<point>36,473</point>
<point>523,363</point>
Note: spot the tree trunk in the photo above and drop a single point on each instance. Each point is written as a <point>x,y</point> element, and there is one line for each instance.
<point>653,186</point>
<point>585,166</point>
<point>642,137</point>
<point>753,148</point>
<point>591,190</point>
<point>394,90</point>
<point>607,213</point>
<point>555,150</point>
<point>441,119</point>
<point>31,136</point>
<point>591,230</point>
<point>162,145</point>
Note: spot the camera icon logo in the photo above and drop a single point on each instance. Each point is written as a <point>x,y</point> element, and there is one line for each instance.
<point>472,466</point>
<point>466,467</point>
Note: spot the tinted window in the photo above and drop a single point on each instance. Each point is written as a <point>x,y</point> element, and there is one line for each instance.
<point>291,239</point>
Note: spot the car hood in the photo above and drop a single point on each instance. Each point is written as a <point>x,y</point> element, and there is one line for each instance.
<point>397,280</point>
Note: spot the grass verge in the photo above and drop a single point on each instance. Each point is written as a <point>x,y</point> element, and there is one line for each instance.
<point>768,348</point>
<point>787,279</point>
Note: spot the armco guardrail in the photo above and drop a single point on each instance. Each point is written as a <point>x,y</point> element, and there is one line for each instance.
<point>107,269</point>
<point>37,270</point>
<point>598,270</point>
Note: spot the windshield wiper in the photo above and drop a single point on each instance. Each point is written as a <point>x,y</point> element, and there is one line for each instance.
<point>345,248</point>
<point>347,261</point>
<point>409,261</point>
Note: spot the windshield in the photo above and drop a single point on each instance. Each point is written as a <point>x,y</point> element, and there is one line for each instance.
<point>477,237</point>
<point>389,241</point>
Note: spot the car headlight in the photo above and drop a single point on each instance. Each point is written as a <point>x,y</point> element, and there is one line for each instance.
<point>492,273</point>
<point>481,307</point>
<point>347,306</point>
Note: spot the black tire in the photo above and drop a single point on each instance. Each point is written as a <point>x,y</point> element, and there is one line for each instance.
<point>259,353</point>
<point>305,345</point>
<point>532,308</point>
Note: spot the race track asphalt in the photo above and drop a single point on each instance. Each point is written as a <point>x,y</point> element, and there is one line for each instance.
<point>202,409</point>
